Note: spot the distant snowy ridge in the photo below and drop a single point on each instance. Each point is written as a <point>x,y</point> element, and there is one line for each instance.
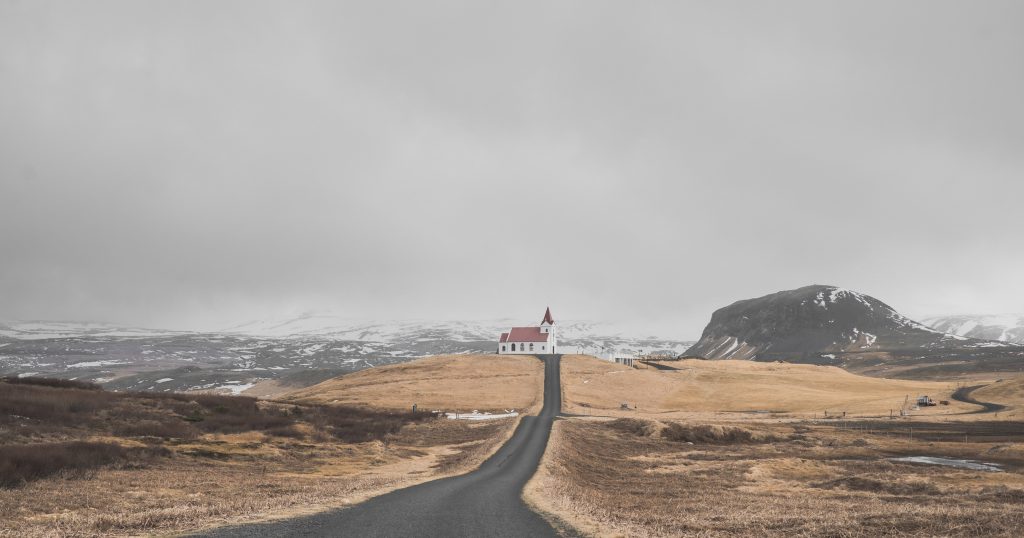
<point>40,330</point>
<point>301,350</point>
<point>1001,327</point>
<point>334,327</point>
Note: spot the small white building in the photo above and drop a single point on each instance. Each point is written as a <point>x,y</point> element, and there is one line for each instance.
<point>540,340</point>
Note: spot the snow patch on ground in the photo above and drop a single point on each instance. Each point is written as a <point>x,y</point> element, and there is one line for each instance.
<point>236,387</point>
<point>96,364</point>
<point>952,462</point>
<point>476,415</point>
<point>833,295</point>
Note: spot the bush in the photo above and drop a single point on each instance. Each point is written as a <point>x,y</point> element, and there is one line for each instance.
<point>51,405</point>
<point>358,425</point>
<point>892,487</point>
<point>713,434</point>
<point>640,428</point>
<point>238,423</point>
<point>51,382</point>
<point>55,405</point>
<point>22,463</point>
<point>286,431</point>
<point>174,429</point>
<point>187,404</point>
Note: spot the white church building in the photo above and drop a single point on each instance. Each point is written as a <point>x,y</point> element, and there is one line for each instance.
<point>540,340</point>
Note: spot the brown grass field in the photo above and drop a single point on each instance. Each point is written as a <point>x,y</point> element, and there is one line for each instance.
<point>85,462</point>
<point>634,477</point>
<point>739,390</point>
<point>711,448</point>
<point>734,448</point>
<point>445,382</point>
<point>1009,392</point>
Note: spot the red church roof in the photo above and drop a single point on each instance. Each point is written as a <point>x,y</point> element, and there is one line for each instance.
<point>547,317</point>
<point>524,334</point>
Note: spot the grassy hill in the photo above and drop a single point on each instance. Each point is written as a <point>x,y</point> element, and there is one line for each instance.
<point>445,382</point>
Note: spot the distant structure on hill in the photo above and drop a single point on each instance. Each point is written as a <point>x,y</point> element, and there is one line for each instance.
<point>530,340</point>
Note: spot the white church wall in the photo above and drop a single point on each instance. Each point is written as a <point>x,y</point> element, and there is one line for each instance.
<point>538,347</point>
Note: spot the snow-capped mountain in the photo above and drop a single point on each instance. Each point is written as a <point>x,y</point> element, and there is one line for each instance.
<point>1002,327</point>
<point>814,322</point>
<point>297,350</point>
<point>40,330</point>
<point>573,335</point>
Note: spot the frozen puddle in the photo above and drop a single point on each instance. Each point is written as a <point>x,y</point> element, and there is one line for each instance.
<point>951,462</point>
<point>475,415</point>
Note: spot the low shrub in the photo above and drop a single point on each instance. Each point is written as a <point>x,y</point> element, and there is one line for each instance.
<point>49,404</point>
<point>640,428</point>
<point>286,431</point>
<point>56,405</point>
<point>51,382</point>
<point>189,404</point>
<point>1002,494</point>
<point>171,429</point>
<point>238,423</point>
<point>892,487</point>
<point>23,463</point>
<point>357,425</point>
<point>713,434</point>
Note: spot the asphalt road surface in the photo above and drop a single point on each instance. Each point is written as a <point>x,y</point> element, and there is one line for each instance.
<point>963,394</point>
<point>485,502</point>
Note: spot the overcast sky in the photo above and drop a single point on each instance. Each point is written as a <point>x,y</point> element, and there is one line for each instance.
<point>187,164</point>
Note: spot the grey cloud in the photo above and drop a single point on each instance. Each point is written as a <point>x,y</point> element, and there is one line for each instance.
<point>180,163</point>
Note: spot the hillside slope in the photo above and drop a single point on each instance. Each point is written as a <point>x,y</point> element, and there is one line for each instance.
<point>732,388</point>
<point>446,382</point>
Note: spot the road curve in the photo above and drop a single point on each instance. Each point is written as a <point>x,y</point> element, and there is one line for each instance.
<point>485,502</point>
<point>963,394</point>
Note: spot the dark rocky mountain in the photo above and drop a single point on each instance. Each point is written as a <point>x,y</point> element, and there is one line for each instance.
<point>831,325</point>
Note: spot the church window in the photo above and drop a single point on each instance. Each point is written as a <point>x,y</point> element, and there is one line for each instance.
<point>503,348</point>
<point>531,346</point>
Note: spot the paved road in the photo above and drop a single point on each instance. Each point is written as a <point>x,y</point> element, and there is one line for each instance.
<point>963,394</point>
<point>485,502</point>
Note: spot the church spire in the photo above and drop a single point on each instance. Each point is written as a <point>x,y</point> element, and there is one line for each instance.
<point>547,317</point>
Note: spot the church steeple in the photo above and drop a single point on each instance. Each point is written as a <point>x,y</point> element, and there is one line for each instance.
<point>548,320</point>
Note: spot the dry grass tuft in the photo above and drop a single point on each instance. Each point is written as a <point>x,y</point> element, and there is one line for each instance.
<point>714,434</point>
